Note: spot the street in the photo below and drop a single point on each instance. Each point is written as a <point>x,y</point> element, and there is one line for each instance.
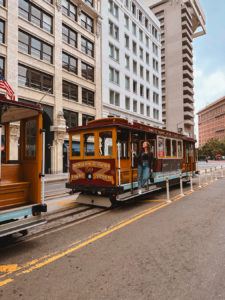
<point>150,249</point>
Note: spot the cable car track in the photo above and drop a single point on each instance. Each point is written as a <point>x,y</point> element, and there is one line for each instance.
<point>55,221</point>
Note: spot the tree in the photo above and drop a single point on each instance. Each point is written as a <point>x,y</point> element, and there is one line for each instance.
<point>213,147</point>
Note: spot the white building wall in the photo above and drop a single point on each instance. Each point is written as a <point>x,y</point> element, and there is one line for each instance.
<point>107,61</point>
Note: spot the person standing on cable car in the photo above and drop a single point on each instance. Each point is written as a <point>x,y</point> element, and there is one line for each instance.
<point>145,165</point>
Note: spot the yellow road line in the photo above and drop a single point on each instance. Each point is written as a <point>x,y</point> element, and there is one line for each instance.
<point>85,243</point>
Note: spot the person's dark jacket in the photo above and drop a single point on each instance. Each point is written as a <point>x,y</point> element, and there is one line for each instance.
<point>140,159</point>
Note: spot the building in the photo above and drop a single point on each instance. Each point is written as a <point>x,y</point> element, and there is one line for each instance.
<point>181,22</point>
<point>131,67</point>
<point>51,54</point>
<point>211,122</point>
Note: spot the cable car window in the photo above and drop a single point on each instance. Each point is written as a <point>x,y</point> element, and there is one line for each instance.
<point>161,152</point>
<point>168,147</point>
<point>75,144</point>
<point>105,143</point>
<point>174,148</point>
<point>30,138</point>
<point>124,149</point>
<point>152,147</point>
<point>179,148</point>
<point>89,144</point>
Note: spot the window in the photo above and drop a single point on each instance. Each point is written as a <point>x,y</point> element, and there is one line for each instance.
<point>127,83</point>
<point>69,9</point>
<point>147,93</point>
<point>155,98</point>
<point>127,3</point>
<point>141,90</point>
<point>86,119</point>
<point>35,15</point>
<point>155,49</point>
<point>146,23</point>
<point>30,138</point>
<point>114,98</point>
<point>71,118</point>
<point>135,86</point>
<point>179,148</point>
<point>105,143</point>
<point>89,144</point>
<point>113,52</point>
<point>127,103</point>
<point>2,2</point>
<point>142,71</point>
<point>147,75</point>
<point>35,79</point>
<point>113,30</point>
<point>2,66</point>
<point>88,97</point>
<point>146,41</point>
<point>87,46</point>
<point>147,58</point>
<point>69,63</point>
<point>2,31</point>
<point>35,47</point>
<point>89,2</point>
<point>75,139</point>
<point>148,111</point>
<point>142,108</point>
<point>168,147</point>
<point>87,22</point>
<point>113,75</point>
<point>126,21</point>
<point>155,81</point>
<point>133,9</point>
<point>140,35</point>
<point>126,37</point>
<point>127,61</point>
<point>134,47</point>
<point>174,148</point>
<point>113,8</point>
<point>133,28</point>
<point>87,71</point>
<point>154,32</point>
<point>134,106</point>
<point>141,53</point>
<point>160,147</point>
<point>140,15</point>
<point>155,114</point>
<point>155,65</point>
<point>134,67</point>
<point>70,91</point>
<point>69,35</point>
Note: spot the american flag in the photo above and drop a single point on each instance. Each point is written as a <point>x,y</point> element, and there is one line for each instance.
<point>6,87</point>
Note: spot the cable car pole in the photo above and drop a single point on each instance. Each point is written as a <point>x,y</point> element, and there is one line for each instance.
<point>132,162</point>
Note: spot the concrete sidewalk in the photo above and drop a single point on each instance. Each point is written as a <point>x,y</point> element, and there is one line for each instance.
<point>56,177</point>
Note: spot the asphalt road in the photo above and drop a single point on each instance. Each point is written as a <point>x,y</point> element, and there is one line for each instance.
<point>147,250</point>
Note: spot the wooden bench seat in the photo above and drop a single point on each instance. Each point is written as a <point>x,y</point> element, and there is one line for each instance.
<point>14,190</point>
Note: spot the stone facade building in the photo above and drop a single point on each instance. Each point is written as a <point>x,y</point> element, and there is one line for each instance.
<point>181,21</point>
<point>211,122</point>
<point>131,62</point>
<point>50,53</point>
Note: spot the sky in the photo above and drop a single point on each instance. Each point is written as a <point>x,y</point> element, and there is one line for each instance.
<point>209,57</point>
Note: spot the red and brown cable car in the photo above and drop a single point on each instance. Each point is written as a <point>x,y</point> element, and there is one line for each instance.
<point>103,169</point>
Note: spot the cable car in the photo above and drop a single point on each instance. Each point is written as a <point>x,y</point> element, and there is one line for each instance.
<point>21,167</point>
<point>103,169</point>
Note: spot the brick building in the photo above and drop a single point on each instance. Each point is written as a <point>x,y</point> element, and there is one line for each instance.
<point>211,122</point>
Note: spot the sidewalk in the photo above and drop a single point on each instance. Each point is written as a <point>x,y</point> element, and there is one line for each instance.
<point>56,177</point>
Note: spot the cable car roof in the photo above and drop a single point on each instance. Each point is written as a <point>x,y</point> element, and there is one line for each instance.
<point>123,123</point>
<point>12,111</point>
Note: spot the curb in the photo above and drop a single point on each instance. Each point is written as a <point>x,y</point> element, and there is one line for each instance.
<point>56,179</point>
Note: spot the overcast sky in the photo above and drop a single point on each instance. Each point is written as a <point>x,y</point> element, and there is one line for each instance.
<point>209,56</point>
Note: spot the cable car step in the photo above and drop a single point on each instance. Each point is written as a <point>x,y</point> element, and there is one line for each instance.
<point>21,225</point>
<point>145,191</point>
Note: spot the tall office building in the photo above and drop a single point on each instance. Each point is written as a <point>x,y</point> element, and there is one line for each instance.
<point>181,21</point>
<point>51,54</point>
<point>131,66</point>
